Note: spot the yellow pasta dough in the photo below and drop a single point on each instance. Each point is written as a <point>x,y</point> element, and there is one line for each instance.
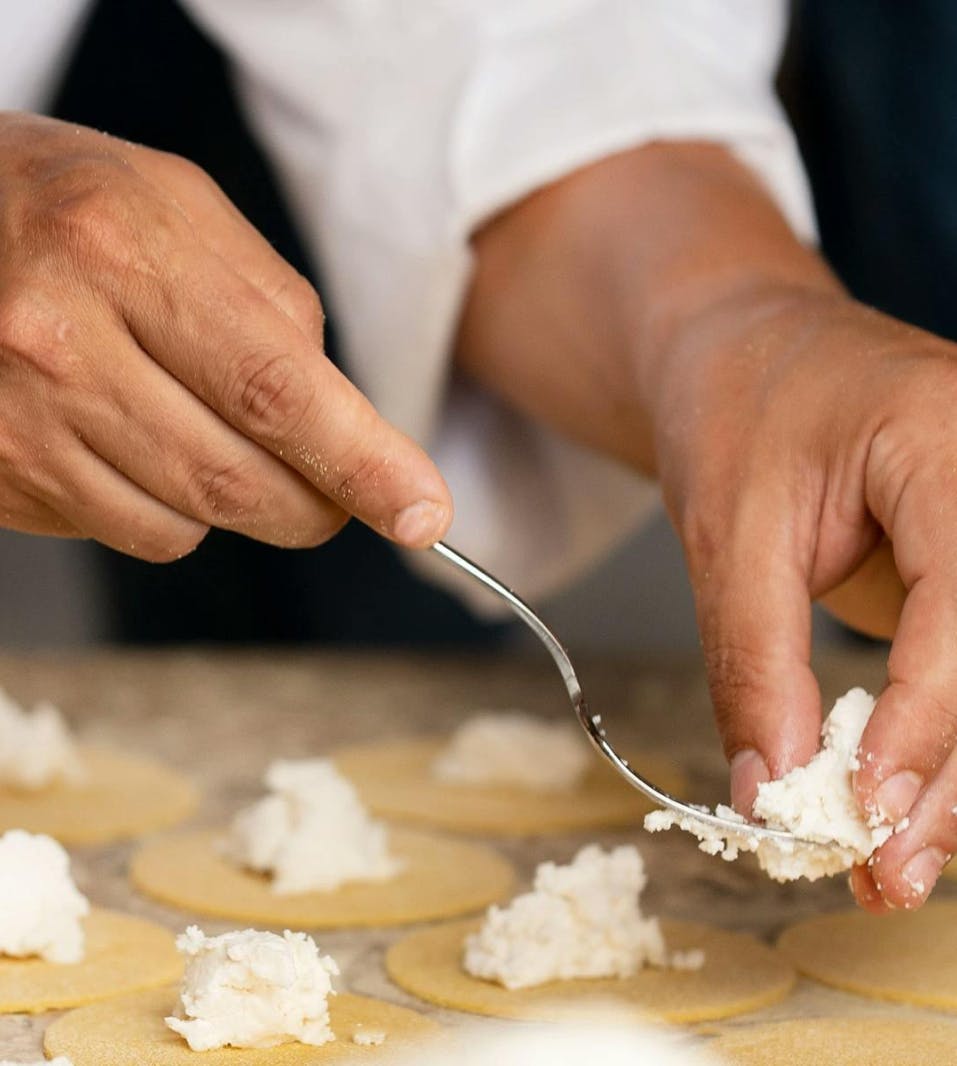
<point>441,878</point>
<point>123,954</point>
<point>907,956</point>
<point>131,1032</point>
<point>739,974</point>
<point>394,779</point>
<point>122,796</point>
<point>841,1042</point>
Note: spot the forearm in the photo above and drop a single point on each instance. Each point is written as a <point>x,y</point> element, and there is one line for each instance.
<point>584,291</point>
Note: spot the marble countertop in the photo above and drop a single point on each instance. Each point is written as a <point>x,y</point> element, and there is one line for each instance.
<point>222,716</point>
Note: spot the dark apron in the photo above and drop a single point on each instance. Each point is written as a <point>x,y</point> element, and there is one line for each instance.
<point>872,89</point>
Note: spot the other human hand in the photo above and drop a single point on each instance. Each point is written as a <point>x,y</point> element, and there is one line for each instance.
<point>807,444</point>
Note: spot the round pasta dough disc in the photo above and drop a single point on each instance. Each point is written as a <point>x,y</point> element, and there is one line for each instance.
<point>440,879</point>
<point>907,956</point>
<point>123,796</point>
<point>395,780</point>
<point>739,974</point>
<point>841,1042</point>
<point>131,1032</point>
<point>123,954</point>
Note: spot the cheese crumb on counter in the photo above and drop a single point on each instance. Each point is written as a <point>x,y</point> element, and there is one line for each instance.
<point>41,909</point>
<point>514,748</point>
<point>253,990</point>
<point>36,748</point>
<point>814,802</point>
<point>693,959</point>
<point>312,834</point>
<point>579,920</point>
<point>369,1037</point>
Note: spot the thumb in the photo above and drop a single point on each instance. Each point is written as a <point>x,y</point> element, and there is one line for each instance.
<point>754,617</point>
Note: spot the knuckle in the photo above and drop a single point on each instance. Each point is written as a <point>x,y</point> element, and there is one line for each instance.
<point>87,217</point>
<point>302,304</point>
<point>358,476</point>
<point>99,213</point>
<point>35,333</point>
<point>927,719</point>
<point>270,395</point>
<point>222,494</point>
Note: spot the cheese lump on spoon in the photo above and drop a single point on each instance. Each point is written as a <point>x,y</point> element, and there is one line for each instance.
<point>312,833</point>
<point>41,909</point>
<point>253,990</point>
<point>36,748</point>
<point>814,802</point>
<point>513,748</point>
<point>579,920</point>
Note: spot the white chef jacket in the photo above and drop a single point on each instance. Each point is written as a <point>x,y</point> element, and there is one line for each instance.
<point>398,126</point>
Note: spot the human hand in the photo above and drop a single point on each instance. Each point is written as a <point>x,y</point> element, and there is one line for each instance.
<point>163,367</point>
<point>799,433</point>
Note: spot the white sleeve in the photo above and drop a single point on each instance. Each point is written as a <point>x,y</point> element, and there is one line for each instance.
<point>398,127</point>
<point>36,37</point>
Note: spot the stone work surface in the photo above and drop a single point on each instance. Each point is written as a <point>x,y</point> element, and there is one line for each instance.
<point>222,716</point>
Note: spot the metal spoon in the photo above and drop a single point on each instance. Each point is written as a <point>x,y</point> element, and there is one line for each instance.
<point>591,723</point>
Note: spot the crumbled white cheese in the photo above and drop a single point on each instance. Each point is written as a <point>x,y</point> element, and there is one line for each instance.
<point>40,906</point>
<point>253,990</point>
<point>514,748</point>
<point>815,802</point>
<point>713,841</point>
<point>36,748</point>
<point>693,959</point>
<point>580,920</point>
<point>368,1037</point>
<point>312,834</point>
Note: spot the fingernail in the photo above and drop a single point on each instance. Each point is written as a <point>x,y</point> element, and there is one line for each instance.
<point>420,524</point>
<point>921,872</point>
<point>748,770</point>
<point>896,796</point>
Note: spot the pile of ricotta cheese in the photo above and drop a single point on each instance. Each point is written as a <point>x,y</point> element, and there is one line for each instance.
<point>512,748</point>
<point>36,747</point>
<point>814,802</point>
<point>312,833</point>
<point>253,990</point>
<point>41,909</point>
<point>579,920</point>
